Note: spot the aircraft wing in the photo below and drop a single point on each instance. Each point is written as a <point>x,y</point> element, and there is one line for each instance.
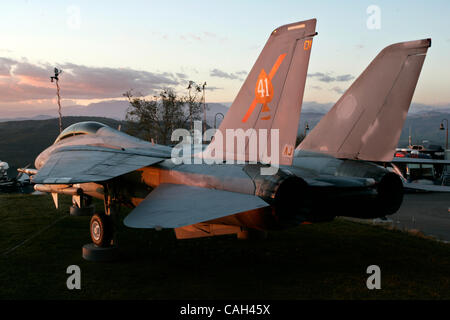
<point>420,161</point>
<point>80,164</point>
<point>174,206</point>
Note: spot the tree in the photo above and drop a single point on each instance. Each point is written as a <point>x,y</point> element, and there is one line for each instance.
<point>157,118</point>
<point>193,103</point>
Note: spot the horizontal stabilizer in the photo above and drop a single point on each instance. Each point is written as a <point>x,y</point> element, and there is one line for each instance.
<point>90,164</point>
<point>174,206</point>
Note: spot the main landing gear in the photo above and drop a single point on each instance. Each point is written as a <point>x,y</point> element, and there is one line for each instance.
<point>103,235</point>
<point>101,228</point>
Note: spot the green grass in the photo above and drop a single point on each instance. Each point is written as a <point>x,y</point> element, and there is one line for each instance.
<point>321,261</point>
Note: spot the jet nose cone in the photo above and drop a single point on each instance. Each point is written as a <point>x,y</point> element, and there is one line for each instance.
<point>41,159</point>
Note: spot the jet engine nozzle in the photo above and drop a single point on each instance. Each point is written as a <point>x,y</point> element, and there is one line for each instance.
<point>390,193</point>
<point>285,192</point>
<point>292,202</point>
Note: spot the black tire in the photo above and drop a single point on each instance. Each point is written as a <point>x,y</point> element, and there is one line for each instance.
<point>91,252</point>
<point>86,211</point>
<point>101,230</point>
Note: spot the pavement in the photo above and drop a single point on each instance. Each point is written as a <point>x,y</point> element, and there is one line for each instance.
<point>428,213</point>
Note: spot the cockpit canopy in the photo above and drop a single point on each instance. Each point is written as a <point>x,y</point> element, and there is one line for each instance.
<point>85,127</point>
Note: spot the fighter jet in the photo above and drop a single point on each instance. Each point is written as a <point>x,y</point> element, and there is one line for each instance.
<point>243,189</point>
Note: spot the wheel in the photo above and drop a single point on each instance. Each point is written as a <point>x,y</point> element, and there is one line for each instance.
<point>101,228</point>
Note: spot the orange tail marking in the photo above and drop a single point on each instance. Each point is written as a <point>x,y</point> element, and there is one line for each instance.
<point>265,108</point>
<point>272,73</point>
<point>276,65</point>
<point>250,110</point>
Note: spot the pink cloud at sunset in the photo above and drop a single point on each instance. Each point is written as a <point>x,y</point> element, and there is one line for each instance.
<point>21,81</point>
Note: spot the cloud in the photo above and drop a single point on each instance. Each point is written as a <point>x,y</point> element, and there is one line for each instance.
<point>163,36</point>
<point>5,66</point>
<point>181,75</point>
<point>212,35</point>
<point>22,80</point>
<point>321,77</point>
<point>213,88</point>
<point>203,36</point>
<point>344,78</point>
<point>191,36</point>
<point>338,90</point>
<point>27,69</point>
<point>241,73</point>
<point>222,74</point>
<point>327,78</point>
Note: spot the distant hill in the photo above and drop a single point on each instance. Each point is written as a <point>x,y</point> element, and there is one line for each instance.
<point>117,110</point>
<point>114,109</point>
<point>38,117</point>
<point>424,126</point>
<point>212,113</point>
<point>22,141</point>
<point>310,117</point>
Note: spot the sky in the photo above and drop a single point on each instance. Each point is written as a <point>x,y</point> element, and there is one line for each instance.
<point>108,47</point>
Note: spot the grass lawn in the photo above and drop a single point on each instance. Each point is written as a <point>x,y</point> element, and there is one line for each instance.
<point>320,261</point>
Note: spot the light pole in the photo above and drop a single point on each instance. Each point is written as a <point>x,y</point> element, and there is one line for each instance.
<point>55,77</point>
<point>215,118</point>
<point>306,129</point>
<point>446,134</point>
